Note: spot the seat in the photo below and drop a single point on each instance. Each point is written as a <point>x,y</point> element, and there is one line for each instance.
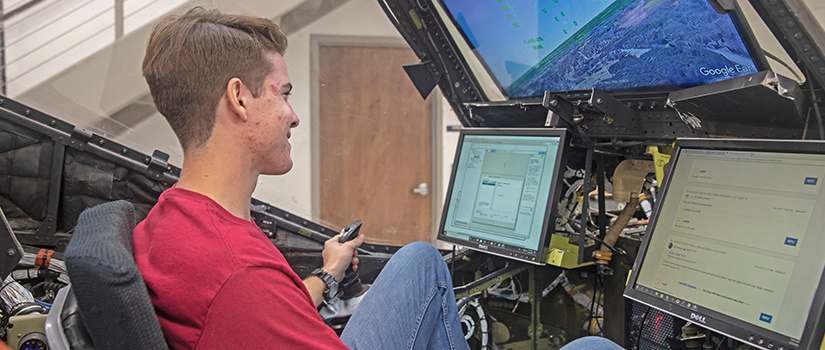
<point>109,289</point>
<point>65,329</point>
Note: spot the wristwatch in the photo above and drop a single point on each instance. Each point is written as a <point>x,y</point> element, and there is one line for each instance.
<point>332,289</point>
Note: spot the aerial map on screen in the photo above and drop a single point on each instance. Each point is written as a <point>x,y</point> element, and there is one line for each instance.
<point>622,45</point>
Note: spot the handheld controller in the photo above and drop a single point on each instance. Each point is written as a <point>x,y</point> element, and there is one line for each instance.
<point>350,232</point>
<point>351,285</point>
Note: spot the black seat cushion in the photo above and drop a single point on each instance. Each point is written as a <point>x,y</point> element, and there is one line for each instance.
<point>110,291</point>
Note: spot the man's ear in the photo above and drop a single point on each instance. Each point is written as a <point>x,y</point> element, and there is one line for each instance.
<point>237,94</point>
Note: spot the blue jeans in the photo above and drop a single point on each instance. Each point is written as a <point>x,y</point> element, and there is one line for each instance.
<point>591,343</point>
<point>411,305</point>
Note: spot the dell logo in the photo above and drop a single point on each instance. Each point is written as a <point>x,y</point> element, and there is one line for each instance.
<point>482,246</point>
<point>697,317</point>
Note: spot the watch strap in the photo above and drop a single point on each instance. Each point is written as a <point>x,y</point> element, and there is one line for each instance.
<point>328,280</point>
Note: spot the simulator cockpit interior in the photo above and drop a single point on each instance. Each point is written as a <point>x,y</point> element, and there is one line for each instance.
<point>640,174</point>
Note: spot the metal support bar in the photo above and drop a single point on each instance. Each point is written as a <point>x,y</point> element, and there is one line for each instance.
<point>262,214</point>
<point>600,176</point>
<point>18,10</point>
<point>565,111</point>
<point>587,187</point>
<point>45,233</point>
<point>2,51</point>
<point>489,280</point>
<point>422,27</point>
<point>118,19</point>
<point>535,309</point>
<point>615,112</point>
<point>559,106</point>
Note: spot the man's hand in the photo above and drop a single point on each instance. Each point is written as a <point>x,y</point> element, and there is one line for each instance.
<point>339,256</point>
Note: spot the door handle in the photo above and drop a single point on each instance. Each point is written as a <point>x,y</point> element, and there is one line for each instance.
<point>422,189</point>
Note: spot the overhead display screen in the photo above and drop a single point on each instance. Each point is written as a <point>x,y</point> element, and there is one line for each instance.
<point>530,47</point>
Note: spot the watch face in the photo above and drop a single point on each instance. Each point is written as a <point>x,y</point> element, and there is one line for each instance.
<point>333,289</point>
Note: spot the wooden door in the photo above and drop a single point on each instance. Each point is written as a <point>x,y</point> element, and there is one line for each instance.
<point>375,140</point>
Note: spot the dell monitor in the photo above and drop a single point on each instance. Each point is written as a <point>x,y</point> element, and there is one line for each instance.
<point>736,241</point>
<point>529,47</point>
<point>503,191</point>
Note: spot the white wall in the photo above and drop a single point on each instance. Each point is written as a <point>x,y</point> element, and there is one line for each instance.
<point>54,35</point>
<point>817,7</point>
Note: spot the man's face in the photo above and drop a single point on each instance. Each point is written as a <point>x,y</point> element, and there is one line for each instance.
<point>270,120</point>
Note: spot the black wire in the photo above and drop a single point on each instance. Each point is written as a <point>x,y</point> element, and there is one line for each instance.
<point>573,210</point>
<point>807,121</point>
<point>721,341</point>
<point>593,300</point>
<point>818,115</point>
<point>816,109</point>
<point>597,239</point>
<point>642,327</point>
<point>5,285</point>
<point>599,300</point>
<point>452,263</point>
<point>7,310</point>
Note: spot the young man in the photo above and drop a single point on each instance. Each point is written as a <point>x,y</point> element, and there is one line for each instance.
<point>214,278</point>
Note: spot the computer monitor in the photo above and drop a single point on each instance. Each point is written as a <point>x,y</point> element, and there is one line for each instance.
<point>736,241</point>
<point>503,191</point>
<point>529,47</point>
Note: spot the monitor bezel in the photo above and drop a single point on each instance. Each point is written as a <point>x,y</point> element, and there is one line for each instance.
<point>729,326</point>
<point>552,201</point>
<point>740,23</point>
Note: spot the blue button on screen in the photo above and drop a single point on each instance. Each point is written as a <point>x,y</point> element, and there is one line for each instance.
<point>811,181</point>
<point>765,318</point>
<point>791,241</point>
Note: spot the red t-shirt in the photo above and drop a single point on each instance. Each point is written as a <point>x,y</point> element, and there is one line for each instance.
<point>217,282</point>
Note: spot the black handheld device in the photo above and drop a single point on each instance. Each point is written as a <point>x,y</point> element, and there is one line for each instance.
<point>351,285</point>
<point>350,232</point>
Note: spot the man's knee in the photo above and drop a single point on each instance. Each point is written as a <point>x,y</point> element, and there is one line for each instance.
<point>419,254</point>
<point>419,251</point>
<point>592,343</point>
